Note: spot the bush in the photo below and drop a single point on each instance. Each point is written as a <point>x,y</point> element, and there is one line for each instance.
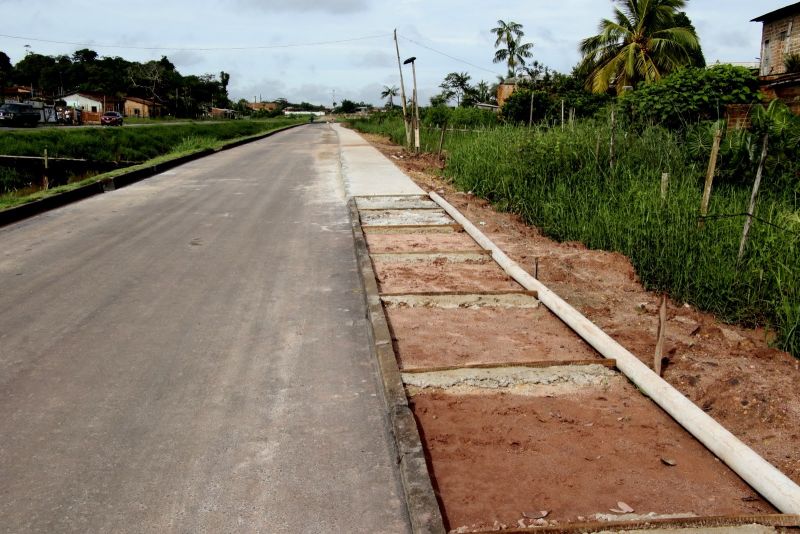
<point>522,102</point>
<point>792,62</point>
<point>690,95</point>
<point>458,117</point>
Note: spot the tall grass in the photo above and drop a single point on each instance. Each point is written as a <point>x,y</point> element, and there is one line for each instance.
<point>562,182</point>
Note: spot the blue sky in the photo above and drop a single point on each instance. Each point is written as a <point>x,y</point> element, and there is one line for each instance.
<point>355,69</point>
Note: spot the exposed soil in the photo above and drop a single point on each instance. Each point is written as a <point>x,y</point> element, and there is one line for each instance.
<point>458,241</point>
<point>497,456</point>
<point>435,337</point>
<point>730,371</point>
<point>441,275</point>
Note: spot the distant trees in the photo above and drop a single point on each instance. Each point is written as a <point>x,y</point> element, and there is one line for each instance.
<point>456,84</point>
<point>510,48</point>
<point>85,70</point>
<point>645,41</point>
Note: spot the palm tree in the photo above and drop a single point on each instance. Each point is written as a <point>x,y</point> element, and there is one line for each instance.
<point>644,42</point>
<point>389,91</point>
<point>513,51</point>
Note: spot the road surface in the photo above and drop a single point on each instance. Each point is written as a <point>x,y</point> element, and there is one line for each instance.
<point>189,354</point>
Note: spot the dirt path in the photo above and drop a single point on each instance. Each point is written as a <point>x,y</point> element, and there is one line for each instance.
<point>731,372</point>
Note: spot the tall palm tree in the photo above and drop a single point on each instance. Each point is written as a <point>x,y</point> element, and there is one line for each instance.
<point>389,91</point>
<point>514,52</point>
<point>645,41</point>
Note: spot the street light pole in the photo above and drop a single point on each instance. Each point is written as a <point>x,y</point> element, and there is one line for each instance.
<point>415,102</point>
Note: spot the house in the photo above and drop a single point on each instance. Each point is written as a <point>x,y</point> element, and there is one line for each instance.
<point>221,113</point>
<point>263,106</point>
<point>139,107</point>
<point>92,102</point>
<point>780,37</point>
<point>507,87</point>
<point>16,93</point>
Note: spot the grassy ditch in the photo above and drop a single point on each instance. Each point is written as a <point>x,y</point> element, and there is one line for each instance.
<point>564,183</point>
<point>179,147</point>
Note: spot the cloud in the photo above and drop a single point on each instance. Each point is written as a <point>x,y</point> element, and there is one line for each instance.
<point>333,7</point>
<point>374,59</point>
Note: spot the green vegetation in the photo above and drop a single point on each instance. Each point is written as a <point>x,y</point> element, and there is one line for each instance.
<point>563,182</point>
<point>179,140</point>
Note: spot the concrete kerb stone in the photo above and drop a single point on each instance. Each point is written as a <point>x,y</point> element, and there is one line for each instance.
<point>421,504</point>
<point>30,209</point>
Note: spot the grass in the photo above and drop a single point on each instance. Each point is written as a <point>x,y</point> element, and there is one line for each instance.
<point>562,182</point>
<point>183,147</point>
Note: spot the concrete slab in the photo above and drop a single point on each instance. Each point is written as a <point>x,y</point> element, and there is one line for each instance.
<point>396,202</point>
<point>368,172</point>
<point>404,217</point>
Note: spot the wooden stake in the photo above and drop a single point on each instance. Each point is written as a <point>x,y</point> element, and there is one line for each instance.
<point>611,146</point>
<point>664,186</point>
<point>530,115</point>
<point>712,169</point>
<point>562,114</point>
<point>662,334</point>
<point>536,268</point>
<point>753,197</point>
<point>441,139</point>
<point>45,180</point>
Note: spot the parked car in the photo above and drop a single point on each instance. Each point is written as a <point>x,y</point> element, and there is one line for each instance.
<point>111,118</point>
<point>12,114</point>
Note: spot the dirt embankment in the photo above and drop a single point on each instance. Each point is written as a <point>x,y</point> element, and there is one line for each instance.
<point>730,371</point>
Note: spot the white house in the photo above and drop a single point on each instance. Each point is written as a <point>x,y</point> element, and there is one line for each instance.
<point>86,102</point>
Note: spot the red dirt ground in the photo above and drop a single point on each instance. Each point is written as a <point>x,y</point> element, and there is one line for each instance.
<point>495,456</point>
<point>730,371</point>
<point>441,275</point>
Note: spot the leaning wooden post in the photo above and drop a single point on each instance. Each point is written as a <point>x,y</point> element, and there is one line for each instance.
<point>402,92</point>
<point>662,334</point>
<point>611,146</point>
<point>441,138</point>
<point>45,180</point>
<point>753,197</point>
<point>712,169</point>
<point>562,114</point>
<point>664,187</point>
<point>530,112</point>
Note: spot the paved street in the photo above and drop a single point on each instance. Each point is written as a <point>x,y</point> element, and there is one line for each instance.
<point>189,354</point>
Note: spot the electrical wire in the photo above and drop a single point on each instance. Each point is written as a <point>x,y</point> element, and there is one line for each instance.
<point>465,62</point>
<point>197,49</point>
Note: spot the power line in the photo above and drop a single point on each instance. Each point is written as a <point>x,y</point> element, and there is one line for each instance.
<point>198,49</point>
<point>449,56</point>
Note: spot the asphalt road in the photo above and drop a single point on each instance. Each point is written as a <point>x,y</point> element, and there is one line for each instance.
<point>189,354</point>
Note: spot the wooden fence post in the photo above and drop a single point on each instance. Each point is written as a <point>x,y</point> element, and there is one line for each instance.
<point>664,186</point>
<point>441,139</point>
<point>753,197</point>
<point>712,169</point>
<point>662,334</point>
<point>611,146</point>
<point>45,179</point>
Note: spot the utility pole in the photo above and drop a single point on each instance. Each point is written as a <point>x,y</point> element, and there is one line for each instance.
<point>415,102</point>
<point>402,91</point>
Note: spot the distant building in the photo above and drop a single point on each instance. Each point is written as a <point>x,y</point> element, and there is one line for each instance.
<point>263,106</point>
<point>221,113</point>
<point>16,93</point>
<point>780,37</point>
<point>507,87</point>
<point>92,102</point>
<point>140,107</point>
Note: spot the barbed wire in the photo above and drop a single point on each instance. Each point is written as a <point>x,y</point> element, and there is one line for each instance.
<point>754,217</point>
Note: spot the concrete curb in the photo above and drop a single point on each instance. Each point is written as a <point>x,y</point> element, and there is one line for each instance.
<point>421,504</point>
<point>24,211</point>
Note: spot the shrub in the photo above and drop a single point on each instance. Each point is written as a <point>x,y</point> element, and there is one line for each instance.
<point>792,62</point>
<point>690,95</point>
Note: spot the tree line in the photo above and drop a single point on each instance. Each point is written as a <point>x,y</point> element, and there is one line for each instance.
<point>52,77</point>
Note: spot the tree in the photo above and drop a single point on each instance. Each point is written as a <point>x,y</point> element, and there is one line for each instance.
<point>456,84</point>
<point>389,92</point>
<point>84,56</point>
<point>514,52</point>
<point>644,42</point>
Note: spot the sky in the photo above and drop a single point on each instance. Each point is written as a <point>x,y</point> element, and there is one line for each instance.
<point>346,47</point>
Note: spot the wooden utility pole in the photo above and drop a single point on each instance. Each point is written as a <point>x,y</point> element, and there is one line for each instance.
<point>753,197</point>
<point>402,91</point>
<point>712,169</point>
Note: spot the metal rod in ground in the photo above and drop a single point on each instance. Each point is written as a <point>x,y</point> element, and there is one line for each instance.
<point>752,208</point>
<point>712,169</point>
<point>782,492</point>
<point>402,91</point>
